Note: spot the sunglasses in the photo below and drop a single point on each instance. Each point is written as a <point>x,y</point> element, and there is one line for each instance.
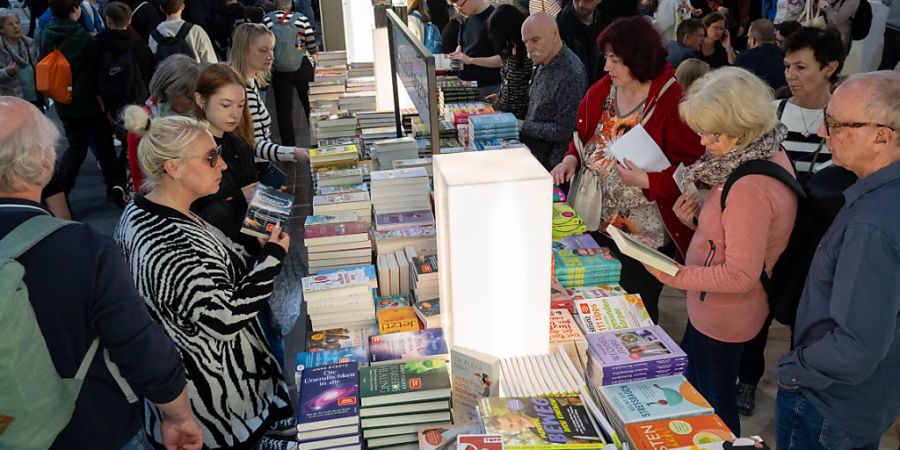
<point>212,157</point>
<point>838,125</point>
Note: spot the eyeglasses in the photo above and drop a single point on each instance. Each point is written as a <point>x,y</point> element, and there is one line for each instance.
<point>837,125</point>
<point>459,4</point>
<point>212,157</point>
<point>715,136</point>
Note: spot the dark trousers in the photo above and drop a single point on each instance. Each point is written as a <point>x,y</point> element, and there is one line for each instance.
<point>890,56</point>
<point>712,369</point>
<point>800,426</point>
<point>284,83</point>
<point>753,359</point>
<point>95,132</point>
<point>635,278</point>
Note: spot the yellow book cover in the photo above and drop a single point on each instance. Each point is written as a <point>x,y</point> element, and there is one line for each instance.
<point>395,320</point>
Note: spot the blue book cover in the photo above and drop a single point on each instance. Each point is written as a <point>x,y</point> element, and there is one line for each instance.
<point>660,398</point>
<point>368,269</point>
<point>329,397</point>
<point>497,120</point>
<point>407,346</point>
<point>356,354</point>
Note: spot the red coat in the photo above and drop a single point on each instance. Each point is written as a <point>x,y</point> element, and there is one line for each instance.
<point>679,143</point>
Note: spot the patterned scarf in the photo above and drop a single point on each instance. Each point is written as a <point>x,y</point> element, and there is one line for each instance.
<point>715,170</point>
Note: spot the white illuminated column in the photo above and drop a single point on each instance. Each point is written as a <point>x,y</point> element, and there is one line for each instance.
<point>493,212</point>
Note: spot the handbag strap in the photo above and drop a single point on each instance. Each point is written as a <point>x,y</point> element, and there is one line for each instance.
<point>655,101</point>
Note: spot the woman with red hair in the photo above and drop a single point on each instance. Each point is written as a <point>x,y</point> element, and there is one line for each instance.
<point>639,89</point>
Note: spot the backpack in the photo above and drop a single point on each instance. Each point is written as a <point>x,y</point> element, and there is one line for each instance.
<point>289,49</point>
<point>36,403</point>
<point>819,200</point>
<point>432,39</point>
<point>53,77</point>
<point>121,82</point>
<point>167,46</point>
<point>861,21</point>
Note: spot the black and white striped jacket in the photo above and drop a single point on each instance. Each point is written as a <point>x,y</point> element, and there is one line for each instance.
<point>265,149</point>
<point>206,292</point>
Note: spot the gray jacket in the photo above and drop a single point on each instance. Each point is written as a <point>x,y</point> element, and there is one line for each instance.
<point>25,53</point>
<point>893,18</point>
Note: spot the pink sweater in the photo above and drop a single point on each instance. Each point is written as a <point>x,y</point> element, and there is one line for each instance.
<point>726,255</point>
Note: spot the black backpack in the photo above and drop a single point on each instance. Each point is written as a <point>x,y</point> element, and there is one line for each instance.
<point>819,200</point>
<point>121,82</point>
<point>167,46</point>
<point>861,22</point>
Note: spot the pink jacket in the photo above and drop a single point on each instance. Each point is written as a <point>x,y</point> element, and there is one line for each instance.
<point>726,255</point>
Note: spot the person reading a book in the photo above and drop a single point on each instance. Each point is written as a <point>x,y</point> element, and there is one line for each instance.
<point>639,88</point>
<point>204,290</point>
<point>731,110</point>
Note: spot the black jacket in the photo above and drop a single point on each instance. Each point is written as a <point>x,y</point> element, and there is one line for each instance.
<point>582,39</point>
<point>223,25</point>
<point>80,288</point>
<point>766,61</point>
<point>145,18</point>
<point>226,209</point>
<point>127,40</point>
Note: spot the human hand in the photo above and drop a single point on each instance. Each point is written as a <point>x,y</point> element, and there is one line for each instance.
<point>726,40</point>
<point>632,175</point>
<point>249,189</point>
<point>687,208</point>
<point>315,59</point>
<point>565,170</point>
<point>696,12</point>
<point>301,155</point>
<point>12,69</point>
<point>278,237</point>
<point>722,10</point>
<point>492,99</point>
<point>461,57</point>
<point>181,433</point>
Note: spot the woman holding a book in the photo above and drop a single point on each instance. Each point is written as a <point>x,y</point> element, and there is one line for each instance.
<point>639,90</point>
<point>203,289</point>
<point>731,110</point>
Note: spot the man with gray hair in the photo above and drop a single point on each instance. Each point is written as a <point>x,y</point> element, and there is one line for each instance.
<point>558,84</point>
<point>81,296</point>
<point>838,386</point>
<point>763,57</point>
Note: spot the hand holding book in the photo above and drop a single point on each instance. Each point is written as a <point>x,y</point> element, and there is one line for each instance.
<point>687,209</point>
<point>278,237</point>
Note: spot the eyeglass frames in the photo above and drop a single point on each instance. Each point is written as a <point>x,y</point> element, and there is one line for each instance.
<point>212,157</point>
<point>837,125</point>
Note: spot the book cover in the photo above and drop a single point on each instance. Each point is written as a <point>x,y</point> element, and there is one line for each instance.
<point>479,442</point>
<point>335,199</point>
<point>368,269</point>
<point>443,437</point>
<point>398,174</point>
<point>635,248</point>
<point>559,298</point>
<point>417,231</point>
<point>496,120</point>
<point>684,433</point>
<point>336,280</point>
<point>310,360</point>
<point>267,207</point>
<point>391,301</point>
<point>426,266</point>
<point>397,320</point>
<point>575,242</point>
<point>587,262</point>
<point>563,327</point>
<point>613,313</point>
<point>429,312</point>
<point>643,345</point>
<point>323,219</point>
<point>334,152</point>
<point>335,229</point>
<point>475,375</point>
<point>337,338</point>
<point>328,397</point>
<point>342,189</point>
<point>338,173</point>
<point>418,380</point>
<point>403,219</point>
<point>660,398</point>
<point>540,422</point>
<point>596,291</point>
<point>406,346</point>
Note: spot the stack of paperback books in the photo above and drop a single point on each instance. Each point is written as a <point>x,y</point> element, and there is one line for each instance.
<point>393,273</point>
<point>333,155</point>
<point>326,88</point>
<point>407,346</point>
<point>375,119</point>
<point>586,267</point>
<point>424,275</point>
<point>357,100</point>
<point>362,70</point>
<point>400,190</point>
<point>634,354</point>
<point>398,399</point>
<point>523,422</point>
<point>421,238</point>
<point>424,163</point>
<point>368,136</point>
<point>403,219</point>
<point>337,176</point>
<point>429,312</point>
<point>685,433</point>
<point>328,414</point>
<point>357,203</point>
<point>334,243</point>
<point>565,333</point>
<point>486,127</point>
<point>385,151</point>
<point>611,313</point>
<point>339,300</point>
<point>330,125</point>
<point>338,338</point>
<point>357,354</point>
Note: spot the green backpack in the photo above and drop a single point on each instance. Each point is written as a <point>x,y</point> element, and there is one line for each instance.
<point>36,403</point>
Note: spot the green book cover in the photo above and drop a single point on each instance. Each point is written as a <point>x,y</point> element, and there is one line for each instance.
<point>411,381</point>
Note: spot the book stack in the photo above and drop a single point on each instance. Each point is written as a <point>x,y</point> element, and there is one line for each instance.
<point>651,400</point>
<point>574,242</point>
<point>337,338</point>
<point>475,375</point>
<point>400,190</point>
<point>323,105</point>
<point>333,245</point>
<point>404,219</point>
<point>353,202</point>
<point>612,313</point>
<point>538,375</point>
<point>362,70</point>
<point>407,346</point>
<point>423,275</point>
<point>326,124</point>
<point>336,176</point>
<point>375,119</point>
<point>486,127</point>
<point>586,267</point>
<point>515,418</point>
<point>566,222</point>
<point>267,208</point>
<point>424,163</point>
<point>393,273</point>
<point>339,300</point>
<point>338,142</point>
<point>685,433</point>
<point>356,354</point>
<point>453,90</point>
<point>328,414</point>
<point>634,354</point>
<point>447,134</point>
<point>398,399</point>
<point>357,101</point>
<point>369,270</point>
<point>333,155</point>
<point>360,83</point>
<point>368,136</point>
<point>326,88</point>
<point>598,291</point>
<point>442,437</point>
<point>421,238</point>
<point>342,189</point>
<point>429,312</point>
<point>564,333</point>
<point>560,297</point>
<point>331,64</point>
<point>458,113</point>
<point>385,151</point>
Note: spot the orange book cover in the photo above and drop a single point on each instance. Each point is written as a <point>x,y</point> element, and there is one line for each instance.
<point>395,320</point>
<point>683,433</point>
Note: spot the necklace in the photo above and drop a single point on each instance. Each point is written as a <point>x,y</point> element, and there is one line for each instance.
<point>805,131</point>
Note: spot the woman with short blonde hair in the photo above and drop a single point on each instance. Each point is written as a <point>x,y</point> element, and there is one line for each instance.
<point>689,71</point>
<point>732,247</point>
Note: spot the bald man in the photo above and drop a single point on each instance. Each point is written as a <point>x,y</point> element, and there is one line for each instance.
<point>763,57</point>
<point>559,82</point>
<point>838,386</point>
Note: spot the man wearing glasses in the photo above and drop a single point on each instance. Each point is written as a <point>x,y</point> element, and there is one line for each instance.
<point>838,386</point>
<point>475,51</point>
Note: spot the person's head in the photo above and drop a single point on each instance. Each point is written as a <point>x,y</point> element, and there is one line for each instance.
<point>505,31</point>
<point>762,31</point>
<point>585,8</point>
<point>27,148</point>
<point>284,5</point>
<point>418,6</point>
<point>541,37</point>
<point>729,108</point>
<point>813,59</point>
<point>62,9</point>
<point>691,33</point>
<point>469,8</point>
<point>633,50</point>
<point>253,52</point>
<point>10,25</point>
<point>510,422</point>
<point>172,7</point>
<point>715,26</point>
<point>221,100</point>
<point>785,29</point>
<point>118,15</point>
<point>862,122</point>
<point>689,71</point>
<point>173,83</point>
<point>177,152</point>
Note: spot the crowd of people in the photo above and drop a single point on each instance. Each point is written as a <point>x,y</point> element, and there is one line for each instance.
<point>749,108</point>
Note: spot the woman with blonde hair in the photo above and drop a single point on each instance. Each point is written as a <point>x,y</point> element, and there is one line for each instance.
<point>252,55</point>
<point>689,71</point>
<point>417,17</point>
<point>737,241</point>
<point>203,289</point>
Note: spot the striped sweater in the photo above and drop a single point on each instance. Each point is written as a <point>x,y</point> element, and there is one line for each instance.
<point>206,293</point>
<point>265,149</point>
